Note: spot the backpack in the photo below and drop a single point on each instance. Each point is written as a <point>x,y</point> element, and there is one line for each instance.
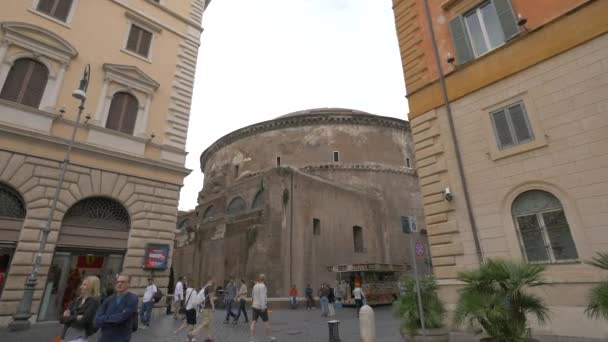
<point>157,296</point>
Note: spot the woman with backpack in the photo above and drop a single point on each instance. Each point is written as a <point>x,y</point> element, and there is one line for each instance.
<point>79,318</point>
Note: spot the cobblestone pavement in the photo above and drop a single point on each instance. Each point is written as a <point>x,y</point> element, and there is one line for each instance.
<point>287,325</point>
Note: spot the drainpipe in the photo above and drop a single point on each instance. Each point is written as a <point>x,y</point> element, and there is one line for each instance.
<point>448,108</point>
<point>291,232</point>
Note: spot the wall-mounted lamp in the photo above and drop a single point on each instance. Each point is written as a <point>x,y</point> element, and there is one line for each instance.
<point>450,58</point>
<point>522,21</point>
<point>87,118</point>
<point>62,111</point>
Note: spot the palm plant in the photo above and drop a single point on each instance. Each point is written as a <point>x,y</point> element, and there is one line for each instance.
<point>406,306</point>
<point>598,298</point>
<point>495,300</point>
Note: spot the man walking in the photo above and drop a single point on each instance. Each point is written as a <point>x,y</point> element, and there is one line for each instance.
<point>359,296</point>
<point>242,298</point>
<point>148,303</point>
<point>178,297</point>
<point>259,308</point>
<point>230,294</point>
<point>117,315</point>
<point>310,302</point>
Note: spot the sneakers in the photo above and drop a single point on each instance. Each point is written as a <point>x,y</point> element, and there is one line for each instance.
<point>235,322</point>
<point>226,321</point>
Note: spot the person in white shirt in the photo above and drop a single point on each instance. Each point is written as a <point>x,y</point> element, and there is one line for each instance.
<point>178,297</point>
<point>190,304</point>
<point>148,303</point>
<point>359,297</point>
<point>259,307</point>
<point>206,300</point>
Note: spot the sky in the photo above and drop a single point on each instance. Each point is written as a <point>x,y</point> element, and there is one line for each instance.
<point>265,58</point>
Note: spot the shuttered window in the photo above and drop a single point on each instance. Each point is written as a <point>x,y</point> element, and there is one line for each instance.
<point>123,113</point>
<point>483,29</point>
<point>512,126</point>
<point>139,41</point>
<point>58,9</point>
<point>25,82</point>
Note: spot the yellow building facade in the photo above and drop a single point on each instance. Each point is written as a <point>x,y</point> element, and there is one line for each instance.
<point>518,166</point>
<point>120,193</point>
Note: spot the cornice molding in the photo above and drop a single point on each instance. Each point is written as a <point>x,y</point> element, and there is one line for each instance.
<point>360,167</point>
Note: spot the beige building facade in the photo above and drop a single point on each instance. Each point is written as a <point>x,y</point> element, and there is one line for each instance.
<point>121,188</point>
<point>528,93</point>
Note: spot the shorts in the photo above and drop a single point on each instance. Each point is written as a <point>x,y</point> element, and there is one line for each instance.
<point>191,316</point>
<point>255,313</point>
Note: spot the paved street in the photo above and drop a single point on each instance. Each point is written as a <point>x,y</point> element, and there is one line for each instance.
<point>287,325</point>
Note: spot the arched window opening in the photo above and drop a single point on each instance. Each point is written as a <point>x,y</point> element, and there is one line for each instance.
<point>98,212</point>
<point>11,203</point>
<point>543,227</point>
<point>358,239</point>
<point>209,213</point>
<point>258,200</point>
<point>236,206</point>
<point>123,113</point>
<point>25,82</point>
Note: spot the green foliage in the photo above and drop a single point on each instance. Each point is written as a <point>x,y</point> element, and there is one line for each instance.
<point>406,306</point>
<point>598,297</point>
<point>494,299</point>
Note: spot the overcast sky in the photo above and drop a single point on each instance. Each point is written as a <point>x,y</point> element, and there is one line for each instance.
<point>265,58</point>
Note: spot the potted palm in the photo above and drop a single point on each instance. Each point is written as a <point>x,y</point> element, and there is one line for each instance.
<point>495,300</point>
<point>405,308</point>
<point>598,298</point>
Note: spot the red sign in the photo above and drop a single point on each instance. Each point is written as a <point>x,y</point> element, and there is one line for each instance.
<point>89,261</point>
<point>157,257</point>
<point>419,248</point>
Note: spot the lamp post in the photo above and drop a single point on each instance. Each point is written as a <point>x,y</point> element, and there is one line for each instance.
<point>21,318</point>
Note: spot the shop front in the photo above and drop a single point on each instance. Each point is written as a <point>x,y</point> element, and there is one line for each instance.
<point>12,214</point>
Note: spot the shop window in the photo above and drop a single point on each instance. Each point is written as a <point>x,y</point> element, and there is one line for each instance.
<point>209,213</point>
<point>543,228</point>
<point>58,9</point>
<point>11,204</point>
<point>25,82</point>
<point>316,226</point>
<point>139,41</point>
<point>123,113</point>
<point>358,239</point>
<point>98,212</point>
<point>258,200</point>
<point>483,29</point>
<point>511,126</point>
<point>236,206</point>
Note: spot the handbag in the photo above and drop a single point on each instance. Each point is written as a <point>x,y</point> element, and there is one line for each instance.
<point>182,309</point>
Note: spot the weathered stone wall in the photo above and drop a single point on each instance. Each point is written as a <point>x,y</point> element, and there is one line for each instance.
<point>152,207</point>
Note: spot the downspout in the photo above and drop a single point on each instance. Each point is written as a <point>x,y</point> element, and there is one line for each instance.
<point>448,108</point>
<point>291,233</point>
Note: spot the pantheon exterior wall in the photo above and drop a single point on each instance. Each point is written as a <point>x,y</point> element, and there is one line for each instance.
<point>297,216</point>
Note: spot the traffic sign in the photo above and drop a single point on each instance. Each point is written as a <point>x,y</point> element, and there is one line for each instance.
<point>419,248</point>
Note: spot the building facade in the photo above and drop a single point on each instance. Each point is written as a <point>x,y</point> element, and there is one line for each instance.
<point>293,196</point>
<point>523,151</point>
<point>121,188</point>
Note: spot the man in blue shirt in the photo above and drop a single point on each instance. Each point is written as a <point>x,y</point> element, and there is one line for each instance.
<point>117,316</point>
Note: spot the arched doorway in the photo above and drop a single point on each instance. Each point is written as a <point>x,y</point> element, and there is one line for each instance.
<point>12,214</point>
<point>92,241</point>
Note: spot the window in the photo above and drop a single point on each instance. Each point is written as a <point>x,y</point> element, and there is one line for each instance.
<point>98,212</point>
<point>316,226</point>
<point>123,113</point>
<point>11,203</point>
<point>139,41</point>
<point>25,82</point>
<point>236,171</point>
<point>358,239</point>
<point>236,206</point>
<point>483,29</point>
<point>278,161</point>
<point>336,156</point>
<point>209,213</point>
<point>543,227</point>
<point>407,162</point>
<point>58,9</point>
<point>511,126</point>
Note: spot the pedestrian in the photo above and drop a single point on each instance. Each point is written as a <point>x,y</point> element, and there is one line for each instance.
<point>323,300</point>
<point>178,297</point>
<point>190,305</point>
<point>259,308</point>
<point>242,298</point>
<point>331,298</point>
<point>79,318</point>
<point>148,303</point>
<point>359,297</point>
<point>117,315</point>
<point>206,305</point>
<point>310,302</point>
<point>230,294</point>
<point>293,297</point>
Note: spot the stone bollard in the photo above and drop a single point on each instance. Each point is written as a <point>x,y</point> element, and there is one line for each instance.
<point>334,331</point>
<point>367,324</point>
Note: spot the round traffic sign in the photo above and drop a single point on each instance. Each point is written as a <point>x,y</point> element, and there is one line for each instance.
<point>419,248</point>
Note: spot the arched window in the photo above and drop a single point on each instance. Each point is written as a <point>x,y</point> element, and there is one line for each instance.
<point>209,213</point>
<point>98,212</point>
<point>543,227</point>
<point>236,206</point>
<point>11,204</point>
<point>258,200</point>
<point>25,82</point>
<point>122,113</point>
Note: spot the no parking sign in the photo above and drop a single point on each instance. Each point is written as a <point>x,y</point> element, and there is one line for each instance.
<point>419,248</point>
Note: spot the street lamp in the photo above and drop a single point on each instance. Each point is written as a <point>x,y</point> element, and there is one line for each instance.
<point>21,319</point>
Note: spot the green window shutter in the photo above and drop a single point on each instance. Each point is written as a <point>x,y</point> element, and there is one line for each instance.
<point>501,127</point>
<point>507,19</point>
<point>521,125</point>
<point>462,46</point>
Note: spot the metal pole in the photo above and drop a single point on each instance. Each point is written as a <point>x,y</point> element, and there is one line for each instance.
<point>21,318</point>
<point>420,309</point>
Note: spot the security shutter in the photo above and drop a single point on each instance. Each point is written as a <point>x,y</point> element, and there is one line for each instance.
<point>123,113</point>
<point>462,46</point>
<point>133,38</point>
<point>511,126</point>
<point>25,82</point>
<point>506,16</point>
<point>521,126</point>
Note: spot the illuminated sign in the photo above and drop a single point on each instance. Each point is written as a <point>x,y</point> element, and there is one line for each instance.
<point>157,257</point>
